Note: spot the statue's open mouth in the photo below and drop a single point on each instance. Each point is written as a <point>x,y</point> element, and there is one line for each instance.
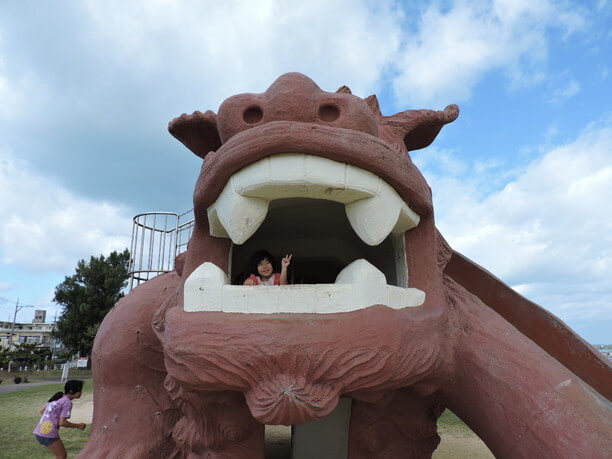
<point>344,225</point>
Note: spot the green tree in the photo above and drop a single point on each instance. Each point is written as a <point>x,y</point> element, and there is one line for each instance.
<point>28,354</point>
<point>87,296</point>
<point>5,357</point>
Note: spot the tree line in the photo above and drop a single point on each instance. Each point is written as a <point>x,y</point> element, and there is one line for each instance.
<point>25,354</point>
<point>87,296</point>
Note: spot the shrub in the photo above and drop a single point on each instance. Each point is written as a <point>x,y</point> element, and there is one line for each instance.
<point>25,379</point>
<point>17,379</point>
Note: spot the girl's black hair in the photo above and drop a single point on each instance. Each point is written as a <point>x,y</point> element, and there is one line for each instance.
<point>257,258</point>
<point>56,396</point>
<point>73,386</point>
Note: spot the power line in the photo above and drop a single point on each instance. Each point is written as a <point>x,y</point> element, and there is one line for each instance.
<point>4,300</point>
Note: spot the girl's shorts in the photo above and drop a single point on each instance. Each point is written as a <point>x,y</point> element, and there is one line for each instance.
<point>45,441</point>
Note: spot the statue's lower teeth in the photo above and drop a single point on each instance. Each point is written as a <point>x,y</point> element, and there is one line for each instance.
<point>358,286</point>
<point>373,207</point>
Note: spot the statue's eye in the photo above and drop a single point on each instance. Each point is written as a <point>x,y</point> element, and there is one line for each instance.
<point>329,113</point>
<point>252,115</point>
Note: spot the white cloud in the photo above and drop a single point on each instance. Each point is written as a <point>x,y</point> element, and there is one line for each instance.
<point>235,46</point>
<point>454,48</point>
<point>548,231</point>
<point>202,53</point>
<point>45,227</point>
<point>11,95</point>
<point>561,94</point>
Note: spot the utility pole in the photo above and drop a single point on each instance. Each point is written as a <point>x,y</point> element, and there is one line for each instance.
<point>17,309</point>
<point>53,337</point>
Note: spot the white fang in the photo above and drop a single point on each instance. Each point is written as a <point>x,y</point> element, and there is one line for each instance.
<point>373,207</point>
<point>358,286</point>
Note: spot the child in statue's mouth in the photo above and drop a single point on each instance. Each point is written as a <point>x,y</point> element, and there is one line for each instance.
<point>262,272</point>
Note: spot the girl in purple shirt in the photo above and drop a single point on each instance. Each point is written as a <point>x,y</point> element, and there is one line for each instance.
<point>55,415</point>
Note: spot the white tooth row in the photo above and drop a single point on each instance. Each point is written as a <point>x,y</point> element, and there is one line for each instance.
<point>358,286</point>
<point>373,207</point>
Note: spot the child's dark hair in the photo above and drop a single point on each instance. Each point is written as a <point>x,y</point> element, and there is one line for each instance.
<point>56,396</point>
<point>73,386</point>
<point>257,258</point>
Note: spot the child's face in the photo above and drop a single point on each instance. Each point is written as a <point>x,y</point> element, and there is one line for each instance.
<point>264,268</point>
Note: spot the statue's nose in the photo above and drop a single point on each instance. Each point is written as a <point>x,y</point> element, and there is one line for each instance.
<point>294,97</point>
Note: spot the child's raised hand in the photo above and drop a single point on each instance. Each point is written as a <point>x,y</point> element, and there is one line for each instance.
<point>286,261</point>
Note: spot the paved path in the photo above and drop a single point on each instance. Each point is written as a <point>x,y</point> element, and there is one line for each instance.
<point>6,388</point>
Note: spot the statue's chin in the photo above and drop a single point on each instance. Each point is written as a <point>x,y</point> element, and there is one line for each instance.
<point>292,368</point>
<point>288,399</point>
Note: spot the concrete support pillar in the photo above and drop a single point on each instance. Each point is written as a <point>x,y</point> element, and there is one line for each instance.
<point>325,438</point>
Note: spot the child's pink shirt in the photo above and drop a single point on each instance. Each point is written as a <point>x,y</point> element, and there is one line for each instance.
<point>273,280</point>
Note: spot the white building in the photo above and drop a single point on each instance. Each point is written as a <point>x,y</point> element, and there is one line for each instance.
<point>36,332</point>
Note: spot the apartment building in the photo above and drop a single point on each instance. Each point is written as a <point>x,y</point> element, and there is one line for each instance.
<point>37,332</point>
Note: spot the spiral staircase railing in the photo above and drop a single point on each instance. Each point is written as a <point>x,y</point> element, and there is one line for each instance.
<point>157,238</point>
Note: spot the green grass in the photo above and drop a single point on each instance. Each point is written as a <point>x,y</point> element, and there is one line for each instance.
<point>448,422</point>
<point>19,417</point>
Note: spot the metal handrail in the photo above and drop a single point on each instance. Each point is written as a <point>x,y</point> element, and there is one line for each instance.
<point>157,239</point>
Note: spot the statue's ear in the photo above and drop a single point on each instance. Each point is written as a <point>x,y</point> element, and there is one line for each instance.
<point>420,127</point>
<point>197,131</point>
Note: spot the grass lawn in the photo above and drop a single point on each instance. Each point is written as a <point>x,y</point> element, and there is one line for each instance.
<point>458,440</point>
<point>449,421</point>
<point>19,417</point>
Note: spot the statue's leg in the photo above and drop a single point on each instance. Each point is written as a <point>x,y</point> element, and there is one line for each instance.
<point>133,413</point>
<point>215,425</point>
<point>516,397</point>
<point>404,426</point>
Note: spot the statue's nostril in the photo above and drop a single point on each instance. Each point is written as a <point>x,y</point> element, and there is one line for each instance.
<point>252,115</point>
<point>329,113</point>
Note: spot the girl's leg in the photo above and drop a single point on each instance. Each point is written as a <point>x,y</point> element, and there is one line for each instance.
<point>58,449</point>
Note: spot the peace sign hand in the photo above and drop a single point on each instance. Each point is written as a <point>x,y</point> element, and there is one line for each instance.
<point>286,261</point>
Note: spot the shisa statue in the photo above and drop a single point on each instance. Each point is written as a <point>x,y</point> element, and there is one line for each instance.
<point>380,313</point>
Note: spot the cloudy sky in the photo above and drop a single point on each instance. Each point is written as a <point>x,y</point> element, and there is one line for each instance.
<point>522,181</point>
